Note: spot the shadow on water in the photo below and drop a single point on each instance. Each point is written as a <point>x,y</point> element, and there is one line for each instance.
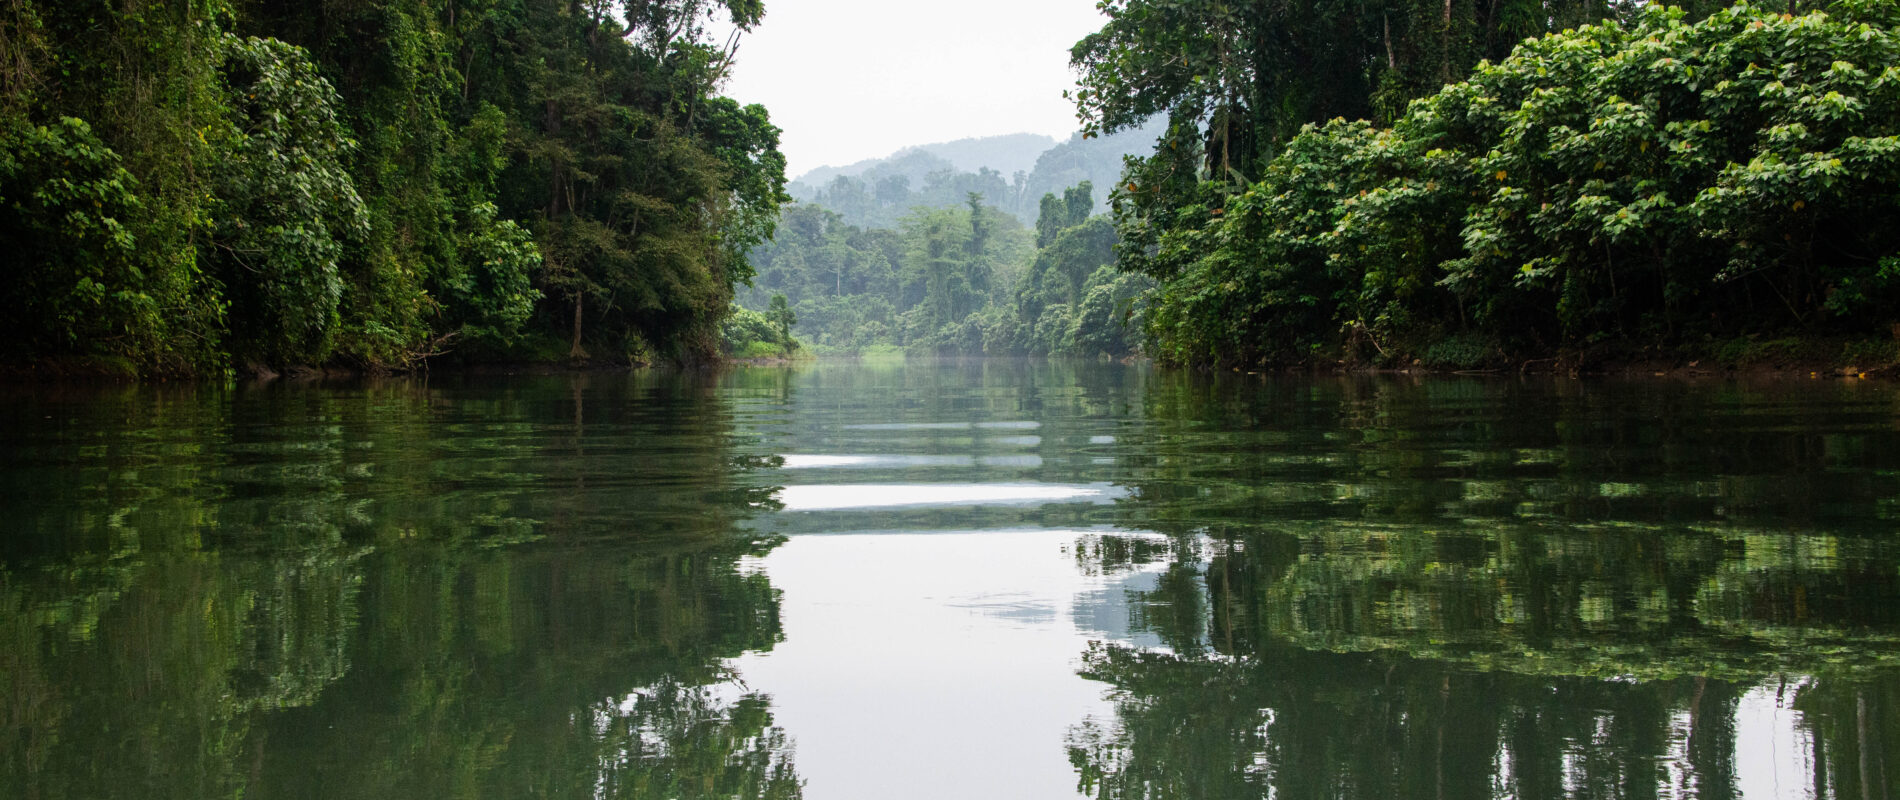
<point>523,587</point>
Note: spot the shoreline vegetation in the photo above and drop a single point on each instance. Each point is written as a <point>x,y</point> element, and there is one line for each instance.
<point>1554,186</point>
<point>1788,358</point>
<point>1725,187</point>
<point>250,185</point>
<point>1622,190</point>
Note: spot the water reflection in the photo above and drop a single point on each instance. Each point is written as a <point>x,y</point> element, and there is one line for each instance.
<point>1035,580</point>
<point>1505,590</point>
<point>821,497</point>
<point>1015,425</point>
<point>1302,723</point>
<point>383,589</point>
<point>925,667</point>
<point>902,461</point>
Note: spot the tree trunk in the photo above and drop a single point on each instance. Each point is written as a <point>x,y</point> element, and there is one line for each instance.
<point>576,351</point>
<point>1444,56</point>
<point>1391,61</point>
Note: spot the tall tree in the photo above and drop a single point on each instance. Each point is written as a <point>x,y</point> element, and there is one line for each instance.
<point>1237,79</point>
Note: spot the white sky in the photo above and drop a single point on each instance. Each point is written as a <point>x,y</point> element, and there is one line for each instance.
<point>854,79</point>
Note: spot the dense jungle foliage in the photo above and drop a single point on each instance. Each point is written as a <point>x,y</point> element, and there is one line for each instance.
<point>1647,181</point>
<point>967,281</point>
<point>189,186</point>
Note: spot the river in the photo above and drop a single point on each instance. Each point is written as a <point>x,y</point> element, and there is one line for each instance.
<point>974,579</point>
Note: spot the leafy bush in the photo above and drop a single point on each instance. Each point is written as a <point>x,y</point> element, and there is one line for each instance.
<point>745,333</point>
<point>1108,320</point>
<point>65,202</point>
<point>493,294</point>
<point>288,204</point>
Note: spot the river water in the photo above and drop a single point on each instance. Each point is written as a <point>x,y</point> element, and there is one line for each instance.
<point>983,579</point>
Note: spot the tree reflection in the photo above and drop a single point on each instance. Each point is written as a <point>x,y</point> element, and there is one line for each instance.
<point>507,589</point>
<point>1500,589</point>
<point>1296,668</point>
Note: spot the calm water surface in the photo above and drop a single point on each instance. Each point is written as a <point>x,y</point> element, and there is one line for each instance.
<point>962,580</point>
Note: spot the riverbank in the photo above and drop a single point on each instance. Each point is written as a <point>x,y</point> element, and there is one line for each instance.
<point>111,370</point>
<point>1752,358</point>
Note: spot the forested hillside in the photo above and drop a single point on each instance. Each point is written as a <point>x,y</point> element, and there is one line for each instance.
<point>1650,182</point>
<point>912,253</point>
<point>886,191</point>
<point>879,192</point>
<point>1007,154</point>
<point>185,187</point>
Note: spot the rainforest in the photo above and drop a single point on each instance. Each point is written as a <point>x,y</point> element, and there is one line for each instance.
<point>193,186</point>
<point>1093,458</point>
<point>1651,180</point>
<point>1432,186</point>
<point>259,186</point>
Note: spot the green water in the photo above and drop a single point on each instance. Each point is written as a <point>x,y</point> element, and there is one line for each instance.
<point>961,580</point>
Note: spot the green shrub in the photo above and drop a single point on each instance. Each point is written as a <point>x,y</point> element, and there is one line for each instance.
<point>1461,351</point>
<point>750,334</point>
<point>287,204</point>
<point>65,205</point>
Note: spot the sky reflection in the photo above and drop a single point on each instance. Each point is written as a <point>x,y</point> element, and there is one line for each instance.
<point>892,495</point>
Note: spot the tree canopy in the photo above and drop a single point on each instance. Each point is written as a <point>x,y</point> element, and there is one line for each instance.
<point>1657,180</point>
<point>214,183</point>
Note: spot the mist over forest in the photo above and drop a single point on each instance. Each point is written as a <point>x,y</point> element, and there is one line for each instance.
<point>1012,172</point>
<point>1007,154</point>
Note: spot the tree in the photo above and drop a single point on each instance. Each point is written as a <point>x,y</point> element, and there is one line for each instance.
<point>1068,211</point>
<point>782,319</point>
<point>1237,80</point>
<point>1049,221</point>
<point>287,205</point>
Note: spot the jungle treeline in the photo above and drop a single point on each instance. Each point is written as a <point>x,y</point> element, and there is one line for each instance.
<point>191,186</point>
<point>196,186</point>
<point>919,254</point>
<point>954,281</point>
<point>1474,183</point>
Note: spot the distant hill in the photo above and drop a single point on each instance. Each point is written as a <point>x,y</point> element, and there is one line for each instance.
<point>1097,160</point>
<point>823,175</point>
<point>1007,154</point>
<point>1012,173</point>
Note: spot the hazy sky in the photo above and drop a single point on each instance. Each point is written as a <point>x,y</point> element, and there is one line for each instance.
<point>854,79</point>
